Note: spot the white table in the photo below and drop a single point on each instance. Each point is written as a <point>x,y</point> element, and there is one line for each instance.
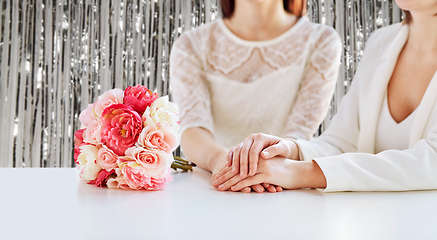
<point>55,204</point>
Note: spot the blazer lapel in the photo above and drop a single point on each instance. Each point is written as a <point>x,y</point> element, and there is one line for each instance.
<point>423,111</point>
<point>375,96</point>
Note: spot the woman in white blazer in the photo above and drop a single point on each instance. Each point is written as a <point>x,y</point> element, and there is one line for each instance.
<point>384,135</point>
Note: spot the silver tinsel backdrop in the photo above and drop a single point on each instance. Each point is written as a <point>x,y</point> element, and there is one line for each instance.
<point>59,55</point>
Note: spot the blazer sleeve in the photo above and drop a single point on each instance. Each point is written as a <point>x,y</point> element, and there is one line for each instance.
<point>391,170</point>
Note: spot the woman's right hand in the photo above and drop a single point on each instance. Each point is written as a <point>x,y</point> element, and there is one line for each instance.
<point>244,157</point>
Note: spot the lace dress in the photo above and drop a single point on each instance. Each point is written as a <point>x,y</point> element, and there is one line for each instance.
<point>233,87</point>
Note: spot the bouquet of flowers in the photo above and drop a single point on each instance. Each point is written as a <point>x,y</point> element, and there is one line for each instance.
<point>126,140</point>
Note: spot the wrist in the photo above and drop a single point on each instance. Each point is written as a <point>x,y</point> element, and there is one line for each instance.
<point>307,174</point>
<point>294,150</point>
<point>217,155</point>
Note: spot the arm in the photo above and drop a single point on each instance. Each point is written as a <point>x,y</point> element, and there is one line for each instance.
<point>391,170</point>
<point>191,92</point>
<point>317,87</point>
<point>199,146</point>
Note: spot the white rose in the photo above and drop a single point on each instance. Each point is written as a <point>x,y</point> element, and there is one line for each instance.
<point>87,162</point>
<point>162,113</point>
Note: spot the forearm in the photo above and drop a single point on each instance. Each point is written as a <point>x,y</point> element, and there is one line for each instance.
<point>305,175</point>
<point>199,146</point>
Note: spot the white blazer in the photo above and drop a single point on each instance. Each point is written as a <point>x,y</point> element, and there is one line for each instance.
<point>345,151</point>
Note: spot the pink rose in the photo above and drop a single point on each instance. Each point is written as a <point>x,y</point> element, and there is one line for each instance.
<point>136,178</point>
<point>87,116</point>
<point>102,178</point>
<point>106,158</point>
<point>164,139</point>
<point>155,163</point>
<point>121,127</point>
<point>114,96</point>
<point>92,132</point>
<point>139,98</point>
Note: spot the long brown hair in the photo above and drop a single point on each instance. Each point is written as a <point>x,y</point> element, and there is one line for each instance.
<point>295,7</point>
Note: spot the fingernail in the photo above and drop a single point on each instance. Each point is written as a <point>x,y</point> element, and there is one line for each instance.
<point>214,183</point>
<point>221,186</point>
<point>234,169</point>
<point>242,174</point>
<point>266,154</point>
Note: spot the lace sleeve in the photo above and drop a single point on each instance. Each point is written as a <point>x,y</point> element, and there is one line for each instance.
<point>189,88</point>
<point>317,86</point>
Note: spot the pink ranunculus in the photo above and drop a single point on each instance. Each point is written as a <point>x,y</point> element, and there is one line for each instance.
<point>102,178</point>
<point>139,98</point>
<point>114,96</point>
<point>160,183</point>
<point>92,132</point>
<point>121,127</point>
<point>164,139</point>
<point>133,173</point>
<point>106,158</point>
<point>155,163</point>
<point>88,115</point>
<point>136,178</point>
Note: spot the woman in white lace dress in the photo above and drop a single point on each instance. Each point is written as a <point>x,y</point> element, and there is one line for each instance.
<point>263,68</point>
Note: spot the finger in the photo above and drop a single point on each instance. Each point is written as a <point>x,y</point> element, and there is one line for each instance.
<point>255,150</point>
<point>258,188</point>
<point>246,190</point>
<point>223,178</point>
<point>279,189</point>
<point>265,185</point>
<point>231,182</point>
<point>249,181</point>
<point>221,173</point>
<point>280,149</point>
<point>244,154</point>
<point>271,189</point>
<point>229,158</point>
<point>236,159</point>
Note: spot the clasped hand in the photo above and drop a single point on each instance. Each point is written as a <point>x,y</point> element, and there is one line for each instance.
<point>259,160</point>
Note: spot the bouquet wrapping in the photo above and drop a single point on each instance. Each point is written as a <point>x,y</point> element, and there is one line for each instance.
<point>126,140</point>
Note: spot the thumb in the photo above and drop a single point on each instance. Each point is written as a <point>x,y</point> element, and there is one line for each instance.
<point>279,149</point>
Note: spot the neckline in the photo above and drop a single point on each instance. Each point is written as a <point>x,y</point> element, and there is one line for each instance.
<point>277,39</point>
<point>411,115</point>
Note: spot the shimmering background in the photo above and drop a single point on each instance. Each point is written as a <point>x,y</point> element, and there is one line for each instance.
<point>59,55</point>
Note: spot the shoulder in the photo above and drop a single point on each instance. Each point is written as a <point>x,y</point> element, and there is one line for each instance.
<point>318,30</point>
<point>196,36</point>
<point>322,36</point>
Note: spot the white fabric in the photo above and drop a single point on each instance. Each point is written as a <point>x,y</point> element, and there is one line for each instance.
<point>345,151</point>
<point>389,133</point>
<point>233,87</point>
